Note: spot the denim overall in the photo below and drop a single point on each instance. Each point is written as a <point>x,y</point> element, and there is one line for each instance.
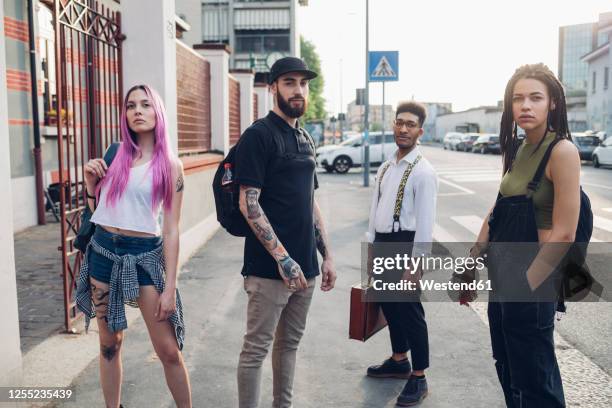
<point>522,332</point>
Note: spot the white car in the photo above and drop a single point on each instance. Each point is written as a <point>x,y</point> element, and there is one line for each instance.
<point>342,157</point>
<point>451,140</point>
<point>602,155</point>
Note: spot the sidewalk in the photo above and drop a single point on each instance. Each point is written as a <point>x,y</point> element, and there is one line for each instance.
<point>40,293</point>
<point>330,369</point>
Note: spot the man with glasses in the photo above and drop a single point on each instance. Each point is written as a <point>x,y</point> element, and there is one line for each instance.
<point>410,221</point>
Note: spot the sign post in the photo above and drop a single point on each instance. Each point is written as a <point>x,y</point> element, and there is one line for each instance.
<point>383,67</point>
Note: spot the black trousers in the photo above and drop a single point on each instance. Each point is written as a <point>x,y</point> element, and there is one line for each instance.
<point>521,332</point>
<point>407,325</point>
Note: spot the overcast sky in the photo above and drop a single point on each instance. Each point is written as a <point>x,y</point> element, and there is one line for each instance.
<point>462,52</point>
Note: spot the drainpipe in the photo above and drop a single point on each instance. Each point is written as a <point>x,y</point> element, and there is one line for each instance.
<point>40,206</point>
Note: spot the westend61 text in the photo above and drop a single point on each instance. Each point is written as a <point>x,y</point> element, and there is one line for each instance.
<point>428,285</point>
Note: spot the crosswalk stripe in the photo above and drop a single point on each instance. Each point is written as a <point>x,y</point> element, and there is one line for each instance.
<point>473,224</point>
<point>442,235</point>
<point>468,170</point>
<point>602,223</point>
<point>475,177</point>
<point>470,222</point>
<point>457,186</point>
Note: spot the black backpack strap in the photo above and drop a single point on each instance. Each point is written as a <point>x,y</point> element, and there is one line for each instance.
<point>310,141</point>
<point>280,142</point>
<point>111,152</point>
<point>537,177</point>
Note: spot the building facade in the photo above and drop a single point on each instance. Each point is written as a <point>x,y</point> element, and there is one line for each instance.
<point>434,109</point>
<point>574,42</point>
<point>599,87</point>
<point>355,117</point>
<point>484,119</point>
<point>258,31</point>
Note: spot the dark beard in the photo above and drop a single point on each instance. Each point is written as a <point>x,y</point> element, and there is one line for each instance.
<point>286,108</point>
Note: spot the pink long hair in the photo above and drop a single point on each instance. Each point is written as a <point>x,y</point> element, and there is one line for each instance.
<point>161,163</point>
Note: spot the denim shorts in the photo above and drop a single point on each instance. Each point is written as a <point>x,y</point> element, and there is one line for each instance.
<point>100,267</point>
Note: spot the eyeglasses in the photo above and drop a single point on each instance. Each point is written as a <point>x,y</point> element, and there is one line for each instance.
<point>398,123</point>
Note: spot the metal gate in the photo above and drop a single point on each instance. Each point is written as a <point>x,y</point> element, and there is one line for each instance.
<point>88,91</point>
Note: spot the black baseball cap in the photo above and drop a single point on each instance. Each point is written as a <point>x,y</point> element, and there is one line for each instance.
<point>289,64</point>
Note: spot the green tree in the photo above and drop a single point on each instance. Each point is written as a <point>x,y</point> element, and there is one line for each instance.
<point>375,127</point>
<point>316,102</point>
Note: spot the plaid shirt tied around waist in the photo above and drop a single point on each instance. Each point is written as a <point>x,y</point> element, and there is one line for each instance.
<point>124,288</point>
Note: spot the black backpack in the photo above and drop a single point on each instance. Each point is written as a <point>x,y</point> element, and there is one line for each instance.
<point>87,228</point>
<point>576,275</point>
<point>227,199</point>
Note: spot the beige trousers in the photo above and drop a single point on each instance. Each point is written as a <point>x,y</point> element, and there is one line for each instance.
<point>273,313</point>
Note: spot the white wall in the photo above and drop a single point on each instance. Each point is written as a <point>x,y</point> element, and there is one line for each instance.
<point>24,202</point>
<point>218,57</point>
<point>246,98</point>
<point>192,14</point>
<point>149,52</point>
<point>10,348</point>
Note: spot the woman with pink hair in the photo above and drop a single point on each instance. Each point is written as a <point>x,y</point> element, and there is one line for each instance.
<point>131,258</point>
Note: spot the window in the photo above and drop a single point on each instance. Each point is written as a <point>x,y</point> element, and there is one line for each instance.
<point>594,85</point>
<point>606,77</point>
<point>262,41</point>
<point>214,23</point>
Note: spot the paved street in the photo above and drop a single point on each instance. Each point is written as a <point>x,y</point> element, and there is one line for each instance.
<point>330,367</point>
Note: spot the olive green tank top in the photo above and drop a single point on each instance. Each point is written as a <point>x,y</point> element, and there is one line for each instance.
<point>515,182</point>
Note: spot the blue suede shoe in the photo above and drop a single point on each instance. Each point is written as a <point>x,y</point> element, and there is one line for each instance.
<point>413,393</point>
<point>391,369</point>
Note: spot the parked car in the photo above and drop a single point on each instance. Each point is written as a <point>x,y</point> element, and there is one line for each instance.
<point>586,144</point>
<point>466,141</point>
<point>348,154</point>
<point>602,155</point>
<point>451,139</point>
<point>487,143</point>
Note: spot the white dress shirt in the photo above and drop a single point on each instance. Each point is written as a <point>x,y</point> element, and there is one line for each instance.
<point>418,207</point>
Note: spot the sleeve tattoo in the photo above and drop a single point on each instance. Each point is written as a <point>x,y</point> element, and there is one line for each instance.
<point>252,199</point>
<point>319,239</point>
<point>289,267</point>
<point>261,224</point>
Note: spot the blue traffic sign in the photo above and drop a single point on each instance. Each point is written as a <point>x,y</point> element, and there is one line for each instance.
<point>384,66</point>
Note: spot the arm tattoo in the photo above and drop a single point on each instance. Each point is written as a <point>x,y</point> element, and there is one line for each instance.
<point>266,235</point>
<point>319,240</point>
<point>252,197</point>
<point>289,267</point>
<point>179,184</point>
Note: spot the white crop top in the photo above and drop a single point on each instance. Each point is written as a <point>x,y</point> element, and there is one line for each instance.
<point>133,211</point>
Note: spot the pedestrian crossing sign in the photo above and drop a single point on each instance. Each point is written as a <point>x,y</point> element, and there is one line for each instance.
<point>384,66</point>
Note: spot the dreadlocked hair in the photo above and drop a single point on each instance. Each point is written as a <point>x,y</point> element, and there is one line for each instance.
<point>557,118</point>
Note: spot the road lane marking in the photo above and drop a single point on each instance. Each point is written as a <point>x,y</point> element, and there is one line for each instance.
<point>602,223</point>
<point>597,185</point>
<point>472,223</point>
<point>442,235</point>
<point>475,178</point>
<point>457,186</point>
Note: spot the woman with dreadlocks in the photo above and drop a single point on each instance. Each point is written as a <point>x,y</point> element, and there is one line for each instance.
<point>541,207</point>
